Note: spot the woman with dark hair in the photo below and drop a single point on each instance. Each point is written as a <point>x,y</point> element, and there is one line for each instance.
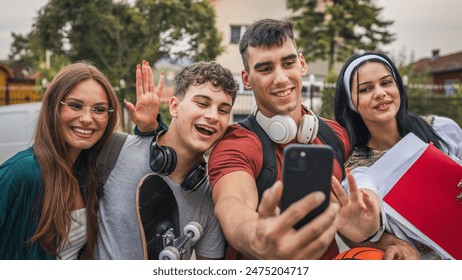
<point>49,193</point>
<point>372,105</point>
<point>390,98</point>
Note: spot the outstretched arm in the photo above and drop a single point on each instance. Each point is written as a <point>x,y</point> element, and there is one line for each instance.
<point>266,233</point>
<point>148,97</point>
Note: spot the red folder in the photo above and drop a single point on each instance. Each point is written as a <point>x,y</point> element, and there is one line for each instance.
<point>425,196</point>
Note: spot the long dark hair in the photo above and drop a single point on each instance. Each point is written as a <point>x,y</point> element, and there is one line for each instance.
<point>59,173</point>
<point>354,124</point>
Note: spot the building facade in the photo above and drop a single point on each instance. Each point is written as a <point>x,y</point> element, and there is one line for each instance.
<point>445,71</point>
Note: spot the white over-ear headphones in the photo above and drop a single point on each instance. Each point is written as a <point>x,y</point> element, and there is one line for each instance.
<point>282,129</point>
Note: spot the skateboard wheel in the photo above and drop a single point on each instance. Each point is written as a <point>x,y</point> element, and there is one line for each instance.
<point>170,253</point>
<point>195,228</point>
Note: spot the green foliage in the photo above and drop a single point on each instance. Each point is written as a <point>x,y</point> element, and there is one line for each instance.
<point>328,95</point>
<point>116,35</point>
<point>422,102</point>
<point>337,29</point>
<point>459,91</point>
<point>180,29</point>
<point>165,113</point>
<point>27,52</point>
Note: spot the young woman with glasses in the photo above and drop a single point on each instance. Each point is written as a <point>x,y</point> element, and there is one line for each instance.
<point>49,193</point>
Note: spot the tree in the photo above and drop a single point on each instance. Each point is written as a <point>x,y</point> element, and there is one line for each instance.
<point>182,29</point>
<point>336,29</point>
<point>27,51</point>
<point>116,35</point>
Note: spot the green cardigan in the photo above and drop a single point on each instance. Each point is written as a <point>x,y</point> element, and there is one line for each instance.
<point>20,181</point>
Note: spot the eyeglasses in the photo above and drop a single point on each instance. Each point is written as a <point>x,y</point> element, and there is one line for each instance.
<point>98,112</point>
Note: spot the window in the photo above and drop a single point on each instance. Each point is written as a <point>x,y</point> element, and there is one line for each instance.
<point>236,33</point>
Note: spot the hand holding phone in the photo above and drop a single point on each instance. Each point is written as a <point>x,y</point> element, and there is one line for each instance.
<point>306,168</point>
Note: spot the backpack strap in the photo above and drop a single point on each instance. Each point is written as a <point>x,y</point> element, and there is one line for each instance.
<point>109,154</point>
<point>329,137</point>
<point>269,170</point>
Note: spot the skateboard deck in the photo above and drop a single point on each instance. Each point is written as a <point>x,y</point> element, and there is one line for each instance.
<point>159,221</point>
<point>157,212</point>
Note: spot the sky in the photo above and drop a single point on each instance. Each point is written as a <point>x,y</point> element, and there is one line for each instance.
<point>419,25</point>
<point>423,25</point>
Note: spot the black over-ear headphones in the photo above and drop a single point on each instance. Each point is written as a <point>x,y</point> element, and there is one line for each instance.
<point>163,162</point>
<point>282,129</point>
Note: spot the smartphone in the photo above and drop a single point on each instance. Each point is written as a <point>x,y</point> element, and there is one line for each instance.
<point>306,168</point>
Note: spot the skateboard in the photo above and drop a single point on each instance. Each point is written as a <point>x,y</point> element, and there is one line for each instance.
<point>159,221</point>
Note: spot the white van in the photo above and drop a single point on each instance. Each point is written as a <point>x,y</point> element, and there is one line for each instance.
<point>17,126</point>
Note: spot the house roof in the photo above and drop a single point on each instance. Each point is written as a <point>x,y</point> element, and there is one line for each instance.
<point>439,64</point>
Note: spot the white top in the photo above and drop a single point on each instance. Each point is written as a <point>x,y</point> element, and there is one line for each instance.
<point>77,235</point>
<point>450,131</point>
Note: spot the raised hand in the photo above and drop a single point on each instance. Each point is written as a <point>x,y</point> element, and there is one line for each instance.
<point>144,113</point>
<point>275,236</point>
<point>360,210</point>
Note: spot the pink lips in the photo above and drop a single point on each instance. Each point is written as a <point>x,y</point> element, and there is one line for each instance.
<point>383,106</point>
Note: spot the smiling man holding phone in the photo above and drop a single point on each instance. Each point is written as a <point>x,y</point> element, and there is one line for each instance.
<point>273,69</point>
<point>253,224</point>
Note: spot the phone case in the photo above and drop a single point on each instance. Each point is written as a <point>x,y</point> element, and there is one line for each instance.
<point>306,168</point>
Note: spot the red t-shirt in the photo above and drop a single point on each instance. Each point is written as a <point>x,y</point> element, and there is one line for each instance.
<point>241,150</point>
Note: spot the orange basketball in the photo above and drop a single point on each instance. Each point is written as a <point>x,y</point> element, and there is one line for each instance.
<point>361,253</point>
